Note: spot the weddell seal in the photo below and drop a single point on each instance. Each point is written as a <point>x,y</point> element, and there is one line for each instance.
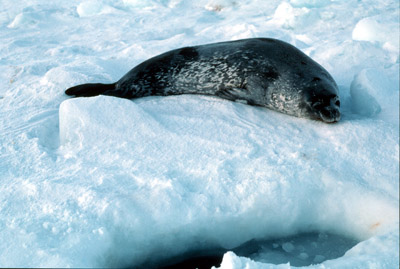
<point>259,71</point>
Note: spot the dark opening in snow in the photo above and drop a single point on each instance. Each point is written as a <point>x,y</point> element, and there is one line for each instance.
<point>298,250</point>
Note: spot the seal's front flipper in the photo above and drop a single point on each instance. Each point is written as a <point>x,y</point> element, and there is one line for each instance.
<point>91,89</point>
<point>235,94</point>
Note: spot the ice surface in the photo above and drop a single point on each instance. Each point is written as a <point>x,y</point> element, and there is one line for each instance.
<point>219,156</point>
<point>370,91</point>
<point>310,3</point>
<point>100,182</point>
<point>377,29</point>
<point>373,253</point>
<point>90,8</point>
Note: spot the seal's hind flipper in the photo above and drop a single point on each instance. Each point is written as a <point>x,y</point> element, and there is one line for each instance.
<point>90,89</point>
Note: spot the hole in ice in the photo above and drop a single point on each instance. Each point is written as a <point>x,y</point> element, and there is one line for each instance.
<point>299,250</point>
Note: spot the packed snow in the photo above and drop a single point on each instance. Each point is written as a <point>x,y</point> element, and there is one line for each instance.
<point>111,182</point>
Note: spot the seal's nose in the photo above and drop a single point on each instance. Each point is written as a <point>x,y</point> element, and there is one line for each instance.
<point>336,114</point>
<point>330,114</point>
<point>335,105</point>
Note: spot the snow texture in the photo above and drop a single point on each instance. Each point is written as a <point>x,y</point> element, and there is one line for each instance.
<point>110,182</point>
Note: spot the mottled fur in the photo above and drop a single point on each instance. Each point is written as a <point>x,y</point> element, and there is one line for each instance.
<point>260,71</point>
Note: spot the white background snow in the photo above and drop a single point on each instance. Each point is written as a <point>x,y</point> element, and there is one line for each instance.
<point>109,182</point>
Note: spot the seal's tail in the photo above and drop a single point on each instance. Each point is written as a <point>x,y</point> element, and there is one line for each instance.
<point>90,89</point>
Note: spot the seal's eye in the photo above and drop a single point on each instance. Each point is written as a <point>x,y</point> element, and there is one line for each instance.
<point>317,105</point>
<point>337,103</point>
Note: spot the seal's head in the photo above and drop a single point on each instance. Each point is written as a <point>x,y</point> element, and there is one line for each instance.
<point>322,101</point>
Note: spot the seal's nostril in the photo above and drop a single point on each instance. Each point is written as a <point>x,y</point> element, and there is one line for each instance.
<point>337,103</point>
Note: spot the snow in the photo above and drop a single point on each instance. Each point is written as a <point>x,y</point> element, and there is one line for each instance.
<point>110,182</point>
<point>376,29</point>
<point>371,90</point>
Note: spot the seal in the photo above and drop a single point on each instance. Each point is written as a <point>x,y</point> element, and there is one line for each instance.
<point>259,71</point>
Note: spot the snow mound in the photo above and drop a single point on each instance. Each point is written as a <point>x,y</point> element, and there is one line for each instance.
<point>378,29</point>
<point>371,91</point>
<point>363,94</point>
<point>92,7</point>
<point>19,20</point>
<point>26,19</point>
<point>289,17</point>
<point>251,174</point>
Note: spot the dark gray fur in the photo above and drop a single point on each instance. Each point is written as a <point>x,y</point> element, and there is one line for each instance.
<point>260,71</point>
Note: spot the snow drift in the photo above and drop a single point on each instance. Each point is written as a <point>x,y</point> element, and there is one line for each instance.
<point>106,182</point>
